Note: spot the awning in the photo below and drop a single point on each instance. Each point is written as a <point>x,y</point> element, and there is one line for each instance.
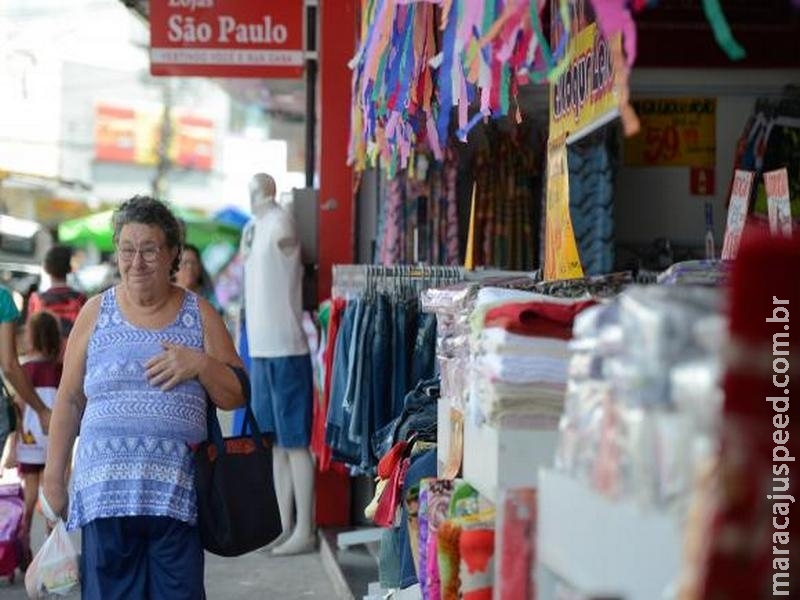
<point>96,230</point>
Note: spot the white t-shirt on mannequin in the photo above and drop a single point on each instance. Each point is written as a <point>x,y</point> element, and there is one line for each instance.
<point>273,286</point>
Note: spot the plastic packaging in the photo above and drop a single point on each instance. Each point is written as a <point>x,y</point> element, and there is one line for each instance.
<point>54,571</point>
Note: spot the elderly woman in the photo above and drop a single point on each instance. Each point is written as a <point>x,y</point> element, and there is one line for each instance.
<point>141,362</point>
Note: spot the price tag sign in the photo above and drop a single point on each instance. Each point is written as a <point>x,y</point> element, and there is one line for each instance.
<point>737,212</point>
<point>676,132</point>
<point>779,208</point>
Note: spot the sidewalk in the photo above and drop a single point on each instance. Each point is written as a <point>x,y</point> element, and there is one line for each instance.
<point>254,576</point>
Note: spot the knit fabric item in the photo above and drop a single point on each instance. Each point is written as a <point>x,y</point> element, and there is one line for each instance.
<point>448,558</point>
<point>439,493</point>
<point>422,565</point>
<point>517,540</point>
<point>464,500</point>
<point>412,523</point>
<point>476,550</point>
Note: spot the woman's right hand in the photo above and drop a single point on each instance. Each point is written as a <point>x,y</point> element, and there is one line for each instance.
<point>55,494</point>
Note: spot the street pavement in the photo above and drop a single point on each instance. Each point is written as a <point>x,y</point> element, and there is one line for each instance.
<point>254,576</point>
<point>250,577</point>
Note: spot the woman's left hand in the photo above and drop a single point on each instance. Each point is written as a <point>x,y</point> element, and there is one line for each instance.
<point>175,365</point>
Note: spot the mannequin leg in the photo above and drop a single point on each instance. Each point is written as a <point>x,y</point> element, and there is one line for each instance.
<point>282,474</point>
<point>302,473</point>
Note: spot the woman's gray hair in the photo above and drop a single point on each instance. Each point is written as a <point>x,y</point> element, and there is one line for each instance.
<point>146,210</point>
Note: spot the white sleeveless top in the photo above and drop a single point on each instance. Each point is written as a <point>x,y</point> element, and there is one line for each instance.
<point>273,286</point>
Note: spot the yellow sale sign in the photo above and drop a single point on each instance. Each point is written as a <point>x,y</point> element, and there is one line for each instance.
<point>675,132</point>
<point>561,260</point>
<point>584,93</point>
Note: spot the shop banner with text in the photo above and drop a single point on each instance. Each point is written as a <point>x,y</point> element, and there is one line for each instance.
<point>676,132</point>
<point>584,93</point>
<point>227,38</point>
<point>561,260</point>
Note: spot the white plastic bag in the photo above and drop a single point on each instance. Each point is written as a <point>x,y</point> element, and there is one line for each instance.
<point>54,570</point>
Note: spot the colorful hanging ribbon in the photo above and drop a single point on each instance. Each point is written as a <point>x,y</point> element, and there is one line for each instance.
<point>722,32</point>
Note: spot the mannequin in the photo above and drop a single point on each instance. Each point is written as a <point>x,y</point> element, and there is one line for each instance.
<point>281,375</point>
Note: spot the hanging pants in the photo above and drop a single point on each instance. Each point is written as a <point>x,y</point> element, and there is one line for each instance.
<point>141,558</point>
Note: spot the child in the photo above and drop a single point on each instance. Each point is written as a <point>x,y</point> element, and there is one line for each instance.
<point>43,368</point>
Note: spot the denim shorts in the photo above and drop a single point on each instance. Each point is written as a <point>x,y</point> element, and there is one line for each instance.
<point>282,398</point>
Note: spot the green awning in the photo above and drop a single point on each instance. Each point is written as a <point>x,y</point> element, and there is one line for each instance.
<point>96,230</point>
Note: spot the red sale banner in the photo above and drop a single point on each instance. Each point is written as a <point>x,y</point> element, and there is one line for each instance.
<point>227,38</point>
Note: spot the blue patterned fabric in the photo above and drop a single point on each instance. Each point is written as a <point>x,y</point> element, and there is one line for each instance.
<point>133,456</point>
<point>591,202</point>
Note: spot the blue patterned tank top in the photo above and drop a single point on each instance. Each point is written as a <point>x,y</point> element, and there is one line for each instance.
<point>133,455</point>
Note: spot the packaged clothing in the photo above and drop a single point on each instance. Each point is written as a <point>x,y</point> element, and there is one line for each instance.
<point>476,550</point>
<point>517,544</point>
<point>412,538</point>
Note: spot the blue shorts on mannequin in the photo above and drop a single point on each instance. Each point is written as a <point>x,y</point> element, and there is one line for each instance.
<point>282,396</point>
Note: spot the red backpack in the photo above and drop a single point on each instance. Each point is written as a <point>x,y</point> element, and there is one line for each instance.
<point>64,302</point>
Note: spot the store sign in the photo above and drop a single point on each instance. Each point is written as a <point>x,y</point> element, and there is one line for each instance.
<point>738,207</point>
<point>133,135</point>
<point>702,181</point>
<point>584,93</point>
<point>561,260</point>
<point>779,208</point>
<point>227,38</point>
<point>676,132</point>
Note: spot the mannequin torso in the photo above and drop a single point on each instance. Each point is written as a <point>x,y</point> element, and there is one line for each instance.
<point>273,285</point>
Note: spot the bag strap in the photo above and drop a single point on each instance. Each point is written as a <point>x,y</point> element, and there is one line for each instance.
<point>212,421</point>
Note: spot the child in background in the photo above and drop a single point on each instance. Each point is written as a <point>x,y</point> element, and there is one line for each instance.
<point>43,367</point>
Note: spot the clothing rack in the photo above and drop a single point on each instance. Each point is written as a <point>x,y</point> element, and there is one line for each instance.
<point>358,280</point>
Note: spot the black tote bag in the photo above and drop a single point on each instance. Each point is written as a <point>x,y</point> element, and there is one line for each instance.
<point>236,503</point>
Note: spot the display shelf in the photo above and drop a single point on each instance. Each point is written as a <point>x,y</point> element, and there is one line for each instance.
<point>600,547</point>
<point>503,457</point>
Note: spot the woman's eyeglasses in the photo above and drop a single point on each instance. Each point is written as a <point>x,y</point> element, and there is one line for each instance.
<point>148,253</point>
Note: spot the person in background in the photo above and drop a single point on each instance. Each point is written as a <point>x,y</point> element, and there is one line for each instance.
<point>142,361</point>
<point>193,276</point>
<point>63,301</point>
<point>43,367</point>
<point>13,371</point>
